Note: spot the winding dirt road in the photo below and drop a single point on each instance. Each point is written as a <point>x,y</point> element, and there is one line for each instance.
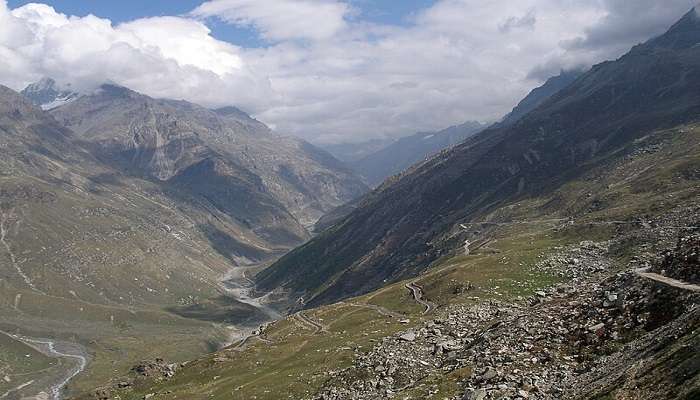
<point>318,328</point>
<point>417,293</point>
<point>644,272</point>
<point>243,343</point>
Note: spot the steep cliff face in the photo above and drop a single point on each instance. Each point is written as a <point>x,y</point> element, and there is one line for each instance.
<point>399,229</point>
<point>174,141</point>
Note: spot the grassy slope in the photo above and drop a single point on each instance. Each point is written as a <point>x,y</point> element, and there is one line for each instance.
<point>297,362</point>
<point>113,301</point>
<point>650,182</point>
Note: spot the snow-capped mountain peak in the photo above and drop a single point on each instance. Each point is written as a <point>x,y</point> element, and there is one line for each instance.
<point>48,94</point>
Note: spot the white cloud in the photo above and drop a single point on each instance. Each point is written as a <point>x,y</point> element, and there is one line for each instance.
<point>281,19</point>
<point>162,56</point>
<point>327,75</point>
<point>186,42</point>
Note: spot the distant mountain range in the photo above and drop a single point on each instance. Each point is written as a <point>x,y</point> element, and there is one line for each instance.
<point>377,160</point>
<point>596,121</point>
<point>352,152</point>
<point>395,157</point>
<point>205,151</point>
<point>401,154</point>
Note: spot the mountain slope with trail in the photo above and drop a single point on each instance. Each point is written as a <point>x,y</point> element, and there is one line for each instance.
<point>409,222</point>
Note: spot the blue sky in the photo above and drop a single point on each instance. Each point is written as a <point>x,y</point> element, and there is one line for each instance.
<point>391,12</point>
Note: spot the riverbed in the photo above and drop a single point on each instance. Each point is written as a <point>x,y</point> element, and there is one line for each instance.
<point>73,359</point>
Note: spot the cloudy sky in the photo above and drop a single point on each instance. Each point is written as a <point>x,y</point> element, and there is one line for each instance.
<point>326,70</point>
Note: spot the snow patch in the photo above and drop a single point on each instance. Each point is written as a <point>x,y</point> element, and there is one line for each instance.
<point>59,102</point>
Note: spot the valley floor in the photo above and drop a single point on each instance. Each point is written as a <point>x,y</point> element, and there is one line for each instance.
<point>545,311</point>
<point>43,367</point>
<point>71,360</point>
<point>519,315</point>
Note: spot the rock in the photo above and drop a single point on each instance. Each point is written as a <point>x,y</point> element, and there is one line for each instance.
<point>408,336</point>
<point>478,394</point>
<point>157,368</point>
<point>489,375</point>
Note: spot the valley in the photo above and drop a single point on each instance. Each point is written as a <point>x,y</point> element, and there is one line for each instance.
<point>155,247</point>
<point>127,264</point>
<point>494,298</point>
<point>508,267</point>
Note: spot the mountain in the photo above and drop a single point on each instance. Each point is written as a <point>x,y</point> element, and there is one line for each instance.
<point>71,216</point>
<point>277,185</point>
<point>351,152</point>
<point>103,262</point>
<point>128,225</point>
<point>401,154</point>
<point>414,144</point>
<point>47,94</point>
<point>594,124</point>
<point>540,94</point>
<point>378,159</point>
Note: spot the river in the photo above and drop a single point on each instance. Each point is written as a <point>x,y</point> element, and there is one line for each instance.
<point>74,357</point>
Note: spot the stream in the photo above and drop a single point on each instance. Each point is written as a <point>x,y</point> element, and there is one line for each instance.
<point>76,358</point>
<point>240,287</point>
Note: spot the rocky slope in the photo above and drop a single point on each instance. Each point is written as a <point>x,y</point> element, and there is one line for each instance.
<point>529,317</point>
<point>602,333</point>
<point>409,222</point>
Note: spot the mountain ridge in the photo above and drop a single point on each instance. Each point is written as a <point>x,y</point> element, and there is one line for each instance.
<point>406,151</point>
<point>161,138</point>
<point>406,223</point>
<point>127,226</point>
